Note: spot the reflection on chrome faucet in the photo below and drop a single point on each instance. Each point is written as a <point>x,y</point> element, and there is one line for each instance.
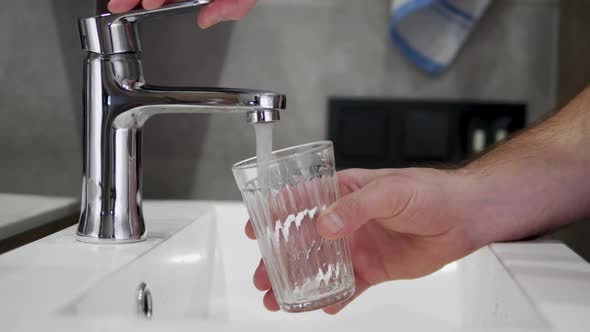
<point>117,102</point>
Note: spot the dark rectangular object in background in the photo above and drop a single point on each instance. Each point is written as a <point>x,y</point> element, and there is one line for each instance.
<point>381,133</point>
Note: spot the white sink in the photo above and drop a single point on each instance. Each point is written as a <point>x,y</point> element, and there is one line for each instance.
<point>198,265</point>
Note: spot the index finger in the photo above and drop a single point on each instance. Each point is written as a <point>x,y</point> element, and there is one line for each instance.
<point>353,179</point>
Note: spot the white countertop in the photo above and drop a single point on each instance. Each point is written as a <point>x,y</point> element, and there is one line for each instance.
<point>20,212</point>
<point>541,286</point>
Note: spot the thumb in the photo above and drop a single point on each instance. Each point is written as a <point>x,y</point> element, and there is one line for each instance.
<point>385,197</point>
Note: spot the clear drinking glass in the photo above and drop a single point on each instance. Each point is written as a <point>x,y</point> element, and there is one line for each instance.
<point>307,272</point>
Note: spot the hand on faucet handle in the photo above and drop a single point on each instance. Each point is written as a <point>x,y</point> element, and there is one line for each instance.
<point>211,14</point>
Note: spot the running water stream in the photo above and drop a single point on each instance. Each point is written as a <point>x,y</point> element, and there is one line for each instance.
<point>263,133</point>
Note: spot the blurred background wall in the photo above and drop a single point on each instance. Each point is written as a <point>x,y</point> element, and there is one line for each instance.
<point>309,50</point>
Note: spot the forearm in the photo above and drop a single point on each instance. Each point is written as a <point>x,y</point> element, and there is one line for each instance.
<point>536,181</point>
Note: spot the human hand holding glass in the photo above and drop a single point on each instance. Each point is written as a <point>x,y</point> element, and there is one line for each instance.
<point>401,224</point>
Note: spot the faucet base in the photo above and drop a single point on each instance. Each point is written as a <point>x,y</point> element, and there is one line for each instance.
<point>97,240</point>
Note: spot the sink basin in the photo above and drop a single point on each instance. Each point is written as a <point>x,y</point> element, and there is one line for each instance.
<point>197,265</point>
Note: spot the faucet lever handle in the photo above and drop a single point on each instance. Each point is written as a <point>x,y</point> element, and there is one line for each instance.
<point>117,33</point>
<point>170,9</point>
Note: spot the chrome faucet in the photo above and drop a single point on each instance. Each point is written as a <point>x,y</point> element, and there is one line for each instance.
<point>117,102</point>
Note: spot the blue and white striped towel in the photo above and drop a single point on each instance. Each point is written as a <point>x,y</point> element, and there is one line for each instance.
<point>430,33</point>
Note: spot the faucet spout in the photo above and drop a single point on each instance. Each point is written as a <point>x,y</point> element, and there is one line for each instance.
<point>258,105</point>
<point>116,105</point>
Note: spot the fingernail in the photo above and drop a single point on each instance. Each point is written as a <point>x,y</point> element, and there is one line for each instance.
<point>332,223</point>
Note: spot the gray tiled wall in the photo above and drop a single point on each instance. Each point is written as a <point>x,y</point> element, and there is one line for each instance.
<point>40,104</point>
<point>308,50</point>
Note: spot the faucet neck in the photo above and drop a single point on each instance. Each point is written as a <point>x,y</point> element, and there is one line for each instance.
<point>111,186</point>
